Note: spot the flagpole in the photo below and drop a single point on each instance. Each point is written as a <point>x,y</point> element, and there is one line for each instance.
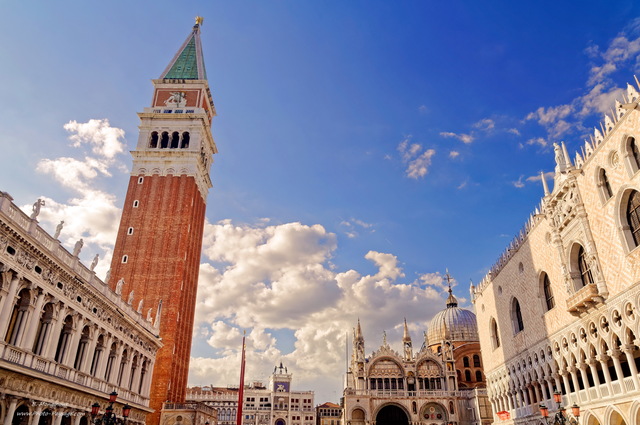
<point>241,389</point>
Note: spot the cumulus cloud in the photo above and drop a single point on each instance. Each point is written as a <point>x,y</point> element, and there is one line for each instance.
<point>454,154</point>
<point>416,160</point>
<point>600,90</point>
<point>91,214</point>
<point>539,141</point>
<point>485,124</point>
<point>549,175</point>
<point>279,283</point>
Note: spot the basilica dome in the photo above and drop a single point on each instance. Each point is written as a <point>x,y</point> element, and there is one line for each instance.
<point>453,324</point>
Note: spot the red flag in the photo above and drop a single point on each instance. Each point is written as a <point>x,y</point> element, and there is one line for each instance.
<point>241,390</point>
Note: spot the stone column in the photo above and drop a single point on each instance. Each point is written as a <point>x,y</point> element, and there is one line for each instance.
<point>550,388</point>
<point>565,380</point>
<point>90,351</point>
<point>104,358</point>
<point>11,410</point>
<point>603,359</point>
<point>32,325</point>
<point>574,379</point>
<point>615,356</point>
<point>35,415</point>
<point>585,379</point>
<point>57,416</point>
<point>628,351</point>
<point>596,378</point>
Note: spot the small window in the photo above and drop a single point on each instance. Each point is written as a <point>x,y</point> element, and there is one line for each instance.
<point>136,203</point>
<point>465,361</point>
<point>140,180</point>
<point>467,375</point>
<point>175,140</point>
<point>495,335</point>
<point>586,276</point>
<point>185,140</point>
<point>130,231</point>
<point>164,140</point>
<point>476,360</point>
<point>153,141</point>
<point>478,376</point>
<point>548,294</point>
<point>125,258</point>
<point>516,316</point>
<point>605,186</point>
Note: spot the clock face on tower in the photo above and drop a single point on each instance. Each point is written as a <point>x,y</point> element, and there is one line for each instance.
<point>281,387</point>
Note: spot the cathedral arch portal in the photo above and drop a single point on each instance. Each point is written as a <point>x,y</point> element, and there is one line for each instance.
<point>392,414</point>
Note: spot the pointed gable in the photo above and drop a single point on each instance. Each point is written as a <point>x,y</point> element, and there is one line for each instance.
<point>188,63</point>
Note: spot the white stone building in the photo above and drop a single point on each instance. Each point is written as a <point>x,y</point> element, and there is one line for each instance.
<point>434,386</point>
<point>66,340</point>
<point>559,310</point>
<point>276,404</point>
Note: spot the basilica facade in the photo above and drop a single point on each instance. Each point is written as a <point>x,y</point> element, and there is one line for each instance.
<point>442,383</point>
<point>558,312</point>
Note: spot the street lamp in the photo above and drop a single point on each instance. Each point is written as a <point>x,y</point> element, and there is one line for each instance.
<point>560,418</point>
<point>109,418</point>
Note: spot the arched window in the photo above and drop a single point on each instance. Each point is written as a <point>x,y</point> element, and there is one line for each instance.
<point>467,375</point>
<point>548,294</point>
<point>465,361</point>
<point>134,368</point>
<point>82,348</point>
<point>123,364</point>
<point>64,339</point>
<point>185,140</point>
<point>633,216</point>
<point>43,329</point>
<point>585,269</point>
<point>153,141</point>
<point>113,353</point>
<point>164,140</point>
<point>175,140</point>
<point>476,360</point>
<point>18,318</point>
<point>97,353</point>
<point>495,336</point>
<point>478,376</point>
<point>516,316</point>
<point>143,374</point>
<point>605,186</point>
<point>632,155</point>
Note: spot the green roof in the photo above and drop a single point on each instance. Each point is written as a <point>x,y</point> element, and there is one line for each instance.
<point>188,63</point>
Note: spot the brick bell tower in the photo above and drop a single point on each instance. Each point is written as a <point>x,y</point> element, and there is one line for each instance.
<point>157,253</point>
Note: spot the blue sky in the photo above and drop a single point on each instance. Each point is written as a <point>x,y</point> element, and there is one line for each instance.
<point>365,146</point>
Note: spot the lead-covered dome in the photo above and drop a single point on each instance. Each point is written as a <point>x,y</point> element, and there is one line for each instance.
<point>453,324</point>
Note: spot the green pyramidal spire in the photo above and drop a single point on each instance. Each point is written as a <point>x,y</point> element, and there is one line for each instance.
<point>188,63</point>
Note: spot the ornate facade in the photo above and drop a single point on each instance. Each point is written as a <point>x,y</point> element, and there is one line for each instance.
<point>66,340</point>
<point>559,309</point>
<point>276,404</point>
<point>440,384</point>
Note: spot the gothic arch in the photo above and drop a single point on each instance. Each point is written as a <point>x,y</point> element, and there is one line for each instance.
<point>581,273</point>
<point>630,154</point>
<point>620,215</point>
<point>613,416</point>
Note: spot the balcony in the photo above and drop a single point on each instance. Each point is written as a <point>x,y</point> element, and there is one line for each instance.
<point>45,368</point>
<point>585,299</point>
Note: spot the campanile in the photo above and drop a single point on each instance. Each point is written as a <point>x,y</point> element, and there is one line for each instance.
<point>157,253</point>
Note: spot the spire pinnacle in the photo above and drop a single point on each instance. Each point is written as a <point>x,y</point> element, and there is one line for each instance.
<point>544,183</point>
<point>406,337</point>
<point>188,63</point>
<point>451,300</point>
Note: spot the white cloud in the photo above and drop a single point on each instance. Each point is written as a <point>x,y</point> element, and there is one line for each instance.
<point>549,175</point>
<point>353,226</point>
<point>279,279</point>
<point>464,138</point>
<point>417,163</point>
<point>485,124</point>
<point>454,154</point>
<point>601,91</point>
<point>540,141</point>
<point>462,185</point>
<point>91,214</point>
<point>518,183</point>
<point>514,131</point>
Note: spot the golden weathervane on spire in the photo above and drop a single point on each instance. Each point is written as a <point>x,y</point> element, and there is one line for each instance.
<point>199,20</point>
